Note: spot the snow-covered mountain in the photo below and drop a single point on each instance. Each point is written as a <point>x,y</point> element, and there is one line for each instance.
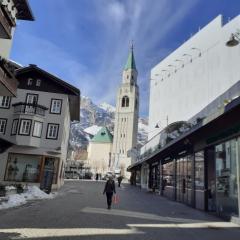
<point>92,118</point>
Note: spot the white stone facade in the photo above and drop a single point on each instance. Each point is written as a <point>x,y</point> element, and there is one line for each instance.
<point>126,121</point>
<point>194,74</point>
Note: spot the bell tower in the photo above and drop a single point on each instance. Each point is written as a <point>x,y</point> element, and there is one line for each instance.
<point>126,117</point>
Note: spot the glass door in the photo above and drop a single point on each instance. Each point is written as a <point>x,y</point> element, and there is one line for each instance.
<point>226,179</point>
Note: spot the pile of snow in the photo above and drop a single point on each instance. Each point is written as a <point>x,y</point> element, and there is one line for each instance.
<point>33,193</point>
<point>93,130</point>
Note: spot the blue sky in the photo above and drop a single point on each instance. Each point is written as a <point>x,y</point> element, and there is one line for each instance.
<point>86,42</point>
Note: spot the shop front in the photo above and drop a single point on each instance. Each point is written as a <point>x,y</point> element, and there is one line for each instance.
<point>201,167</point>
<point>24,168</point>
<point>154,176</point>
<point>224,184</point>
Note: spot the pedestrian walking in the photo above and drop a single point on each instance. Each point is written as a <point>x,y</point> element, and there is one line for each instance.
<point>120,178</point>
<point>109,189</point>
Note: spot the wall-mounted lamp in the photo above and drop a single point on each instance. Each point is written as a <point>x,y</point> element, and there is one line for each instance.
<point>188,55</point>
<point>234,39</point>
<point>200,53</point>
<point>179,60</point>
<point>175,69</point>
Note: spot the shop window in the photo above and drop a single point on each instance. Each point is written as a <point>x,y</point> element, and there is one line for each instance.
<point>199,170</point>
<point>23,168</point>
<point>52,163</point>
<point>226,178</point>
<point>168,174</point>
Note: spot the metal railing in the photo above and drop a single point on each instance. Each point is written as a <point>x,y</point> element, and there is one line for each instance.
<point>29,108</point>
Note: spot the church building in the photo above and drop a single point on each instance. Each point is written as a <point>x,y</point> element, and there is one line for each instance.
<point>126,118</point>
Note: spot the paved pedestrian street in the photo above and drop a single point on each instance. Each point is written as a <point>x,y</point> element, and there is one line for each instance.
<point>80,212</point>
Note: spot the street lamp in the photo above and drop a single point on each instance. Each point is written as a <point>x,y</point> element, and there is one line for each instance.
<point>234,39</point>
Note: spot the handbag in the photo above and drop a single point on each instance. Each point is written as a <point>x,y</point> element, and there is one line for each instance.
<point>116,199</point>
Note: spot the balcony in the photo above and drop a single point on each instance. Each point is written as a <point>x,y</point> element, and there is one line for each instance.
<point>29,109</point>
<point>6,22</point>
<point>8,82</point>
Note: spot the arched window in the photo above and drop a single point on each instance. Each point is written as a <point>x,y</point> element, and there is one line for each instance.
<point>125,101</point>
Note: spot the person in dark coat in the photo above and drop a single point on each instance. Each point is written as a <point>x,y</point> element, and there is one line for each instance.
<point>120,178</point>
<point>109,189</point>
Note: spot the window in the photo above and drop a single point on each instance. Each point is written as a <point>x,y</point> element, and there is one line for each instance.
<point>37,129</point>
<point>25,127</point>
<point>52,131</point>
<point>56,106</point>
<point>23,168</point>
<point>14,127</point>
<point>38,82</point>
<point>125,101</point>
<point>30,81</point>
<point>3,124</point>
<point>5,101</point>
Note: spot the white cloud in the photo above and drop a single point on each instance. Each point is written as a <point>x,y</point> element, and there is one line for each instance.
<point>97,42</point>
<point>116,11</point>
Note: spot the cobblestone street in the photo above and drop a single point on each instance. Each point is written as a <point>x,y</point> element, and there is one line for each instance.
<point>79,212</point>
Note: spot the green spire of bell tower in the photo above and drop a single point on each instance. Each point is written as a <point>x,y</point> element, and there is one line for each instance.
<point>131,61</point>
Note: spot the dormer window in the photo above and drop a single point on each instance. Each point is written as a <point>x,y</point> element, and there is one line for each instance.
<point>38,82</point>
<point>30,82</point>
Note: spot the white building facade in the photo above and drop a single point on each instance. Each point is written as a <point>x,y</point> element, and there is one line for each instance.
<point>99,152</point>
<point>194,74</point>
<point>126,117</point>
<point>37,122</point>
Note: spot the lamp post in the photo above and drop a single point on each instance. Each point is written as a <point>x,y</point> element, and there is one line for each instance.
<point>234,39</point>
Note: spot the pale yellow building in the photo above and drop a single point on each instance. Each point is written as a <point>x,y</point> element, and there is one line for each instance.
<point>99,151</point>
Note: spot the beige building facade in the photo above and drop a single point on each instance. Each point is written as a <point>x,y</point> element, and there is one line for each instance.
<point>99,152</point>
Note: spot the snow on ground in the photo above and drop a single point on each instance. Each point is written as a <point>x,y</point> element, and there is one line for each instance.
<point>33,193</point>
<point>93,130</point>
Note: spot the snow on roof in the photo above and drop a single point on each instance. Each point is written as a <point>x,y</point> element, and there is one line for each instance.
<point>93,130</point>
